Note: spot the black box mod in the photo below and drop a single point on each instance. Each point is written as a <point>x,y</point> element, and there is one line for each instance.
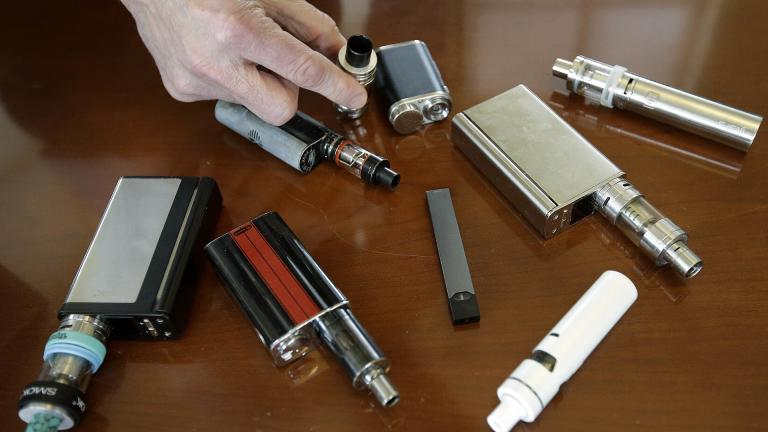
<point>133,274</point>
<point>413,90</point>
<point>293,304</point>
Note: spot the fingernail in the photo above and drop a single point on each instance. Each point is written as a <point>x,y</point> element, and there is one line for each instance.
<point>359,100</point>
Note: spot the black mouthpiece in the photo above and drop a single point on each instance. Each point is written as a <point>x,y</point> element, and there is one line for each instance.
<point>359,49</point>
<point>386,177</point>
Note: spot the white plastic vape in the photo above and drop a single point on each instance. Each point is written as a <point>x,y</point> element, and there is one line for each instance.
<point>535,382</point>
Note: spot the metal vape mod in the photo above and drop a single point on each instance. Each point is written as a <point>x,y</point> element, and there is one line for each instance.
<point>292,303</point>
<point>555,177</point>
<point>559,355</point>
<point>357,58</point>
<point>132,284</point>
<point>615,86</point>
<point>413,89</point>
<point>304,142</point>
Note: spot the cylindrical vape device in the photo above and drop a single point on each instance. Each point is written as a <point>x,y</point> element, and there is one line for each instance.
<point>292,303</point>
<point>413,90</point>
<point>556,178</point>
<point>559,355</point>
<point>304,142</point>
<point>132,284</point>
<point>615,86</point>
<point>358,59</point>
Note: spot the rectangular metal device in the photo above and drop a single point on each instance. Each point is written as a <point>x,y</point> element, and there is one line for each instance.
<point>135,272</point>
<point>458,283</point>
<point>539,162</point>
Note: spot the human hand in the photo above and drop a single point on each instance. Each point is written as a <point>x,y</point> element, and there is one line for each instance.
<point>256,53</point>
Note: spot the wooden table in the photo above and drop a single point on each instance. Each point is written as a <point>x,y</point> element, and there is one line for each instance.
<point>81,103</point>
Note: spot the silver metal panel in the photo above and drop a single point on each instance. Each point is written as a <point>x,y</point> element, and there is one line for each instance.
<point>117,260</point>
<point>560,162</point>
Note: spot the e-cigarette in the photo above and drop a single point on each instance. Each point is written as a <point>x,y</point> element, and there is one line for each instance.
<point>304,142</point>
<point>358,59</point>
<point>555,177</point>
<point>559,355</point>
<point>293,304</point>
<point>133,284</point>
<point>462,301</point>
<point>615,86</point>
<point>413,90</point>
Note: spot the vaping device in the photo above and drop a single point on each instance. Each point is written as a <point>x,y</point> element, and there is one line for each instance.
<point>358,59</point>
<point>304,142</point>
<point>614,86</point>
<point>534,383</point>
<point>413,90</point>
<point>462,301</point>
<point>293,304</point>
<point>133,283</point>
<point>555,177</point>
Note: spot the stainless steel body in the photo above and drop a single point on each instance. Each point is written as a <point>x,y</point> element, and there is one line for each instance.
<point>360,356</point>
<point>118,259</point>
<point>555,177</point>
<point>538,161</point>
<point>413,89</point>
<point>615,86</point>
<point>276,141</point>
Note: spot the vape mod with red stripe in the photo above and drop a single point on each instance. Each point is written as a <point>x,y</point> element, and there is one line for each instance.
<point>304,142</point>
<point>293,304</point>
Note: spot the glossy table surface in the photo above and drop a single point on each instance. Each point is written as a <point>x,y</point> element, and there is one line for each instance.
<point>81,103</point>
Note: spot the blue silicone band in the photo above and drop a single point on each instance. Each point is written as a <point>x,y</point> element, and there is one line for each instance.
<point>78,344</point>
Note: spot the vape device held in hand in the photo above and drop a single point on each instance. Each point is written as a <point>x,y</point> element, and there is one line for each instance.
<point>293,304</point>
<point>555,177</point>
<point>133,283</point>
<point>304,142</point>
<point>410,83</point>
<point>358,59</point>
<point>615,86</point>
<point>559,355</point>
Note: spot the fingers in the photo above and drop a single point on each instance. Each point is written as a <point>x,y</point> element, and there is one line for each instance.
<point>308,24</point>
<point>272,98</point>
<point>290,58</point>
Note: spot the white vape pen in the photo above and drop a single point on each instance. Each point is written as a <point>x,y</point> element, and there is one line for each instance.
<point>536,381</point>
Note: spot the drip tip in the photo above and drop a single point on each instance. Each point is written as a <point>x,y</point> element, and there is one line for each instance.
<point>384,391</point>
<point>386,177</point>
<point>359,49</point>
<point>505,416</point>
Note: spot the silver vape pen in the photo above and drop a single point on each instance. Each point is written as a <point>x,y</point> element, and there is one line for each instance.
<point>615,86</point>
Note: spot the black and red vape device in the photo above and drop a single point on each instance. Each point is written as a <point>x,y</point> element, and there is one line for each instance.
<point>293,304</point>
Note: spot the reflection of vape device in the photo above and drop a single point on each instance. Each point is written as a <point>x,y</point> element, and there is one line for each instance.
<point>303,142</point>
<point>357,58</point>
<point>556,358</point>
<point>615,86</point>
<point>132,283</point>
<point>291,302</point>
<point>555,177</point>
<point>413,89</point>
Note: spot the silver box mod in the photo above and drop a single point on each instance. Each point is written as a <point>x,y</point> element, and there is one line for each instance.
<point>538,161</point>
<point>555,177</point>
